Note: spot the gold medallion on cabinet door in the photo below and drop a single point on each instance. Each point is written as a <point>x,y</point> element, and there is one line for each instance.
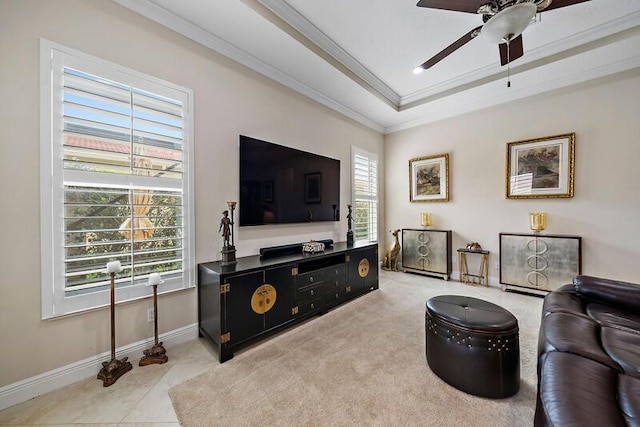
<point>363,267</point>
<point>263,299</point>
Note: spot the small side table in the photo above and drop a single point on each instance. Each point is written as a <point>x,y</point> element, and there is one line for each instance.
<point>482,278</point>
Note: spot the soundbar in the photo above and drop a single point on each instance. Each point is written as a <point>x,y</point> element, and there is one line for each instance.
<point>295,248</point>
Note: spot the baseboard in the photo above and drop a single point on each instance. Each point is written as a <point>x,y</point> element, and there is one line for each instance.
<point>29,388</point>
<point>494,281</point>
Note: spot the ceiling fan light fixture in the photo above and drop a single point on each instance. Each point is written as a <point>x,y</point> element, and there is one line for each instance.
<point>509,23</point>
<point>418,70</point>
<point>543,4</point>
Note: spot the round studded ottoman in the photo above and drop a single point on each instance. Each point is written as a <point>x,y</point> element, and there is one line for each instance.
<point>473,345</point>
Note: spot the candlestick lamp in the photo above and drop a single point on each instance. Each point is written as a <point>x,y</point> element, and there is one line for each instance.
<point>113,369</point>
<point>157,353</point>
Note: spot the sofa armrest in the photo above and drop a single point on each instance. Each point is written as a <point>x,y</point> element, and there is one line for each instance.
<point>611,292</point>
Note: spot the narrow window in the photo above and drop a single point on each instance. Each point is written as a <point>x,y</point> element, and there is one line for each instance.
<point>365,194</point>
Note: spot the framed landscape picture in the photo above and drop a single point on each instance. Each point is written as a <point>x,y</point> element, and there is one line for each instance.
<point>429,179</point>
<point>541,168</point>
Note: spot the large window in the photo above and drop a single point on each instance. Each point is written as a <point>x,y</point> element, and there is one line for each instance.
<point>364,167</point>
<point>116,151</point>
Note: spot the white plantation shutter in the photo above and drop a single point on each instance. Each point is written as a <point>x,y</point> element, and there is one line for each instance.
<point>117,150</point>
<point>365,194</point>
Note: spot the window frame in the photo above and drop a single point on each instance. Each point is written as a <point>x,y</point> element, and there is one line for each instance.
<point>371,157</point>
<point>54,303</point>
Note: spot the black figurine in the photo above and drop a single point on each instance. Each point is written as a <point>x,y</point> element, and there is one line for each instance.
<point>349,230</point>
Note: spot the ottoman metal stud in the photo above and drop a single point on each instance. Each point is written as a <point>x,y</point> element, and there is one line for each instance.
<point>473,345</point>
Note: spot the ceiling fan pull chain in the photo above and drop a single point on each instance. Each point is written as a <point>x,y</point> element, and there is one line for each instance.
<point>508,64</point>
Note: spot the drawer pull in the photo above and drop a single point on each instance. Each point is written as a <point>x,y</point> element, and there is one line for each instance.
<point>313,305</point>
<point>311,278</point>
<point>312,293</point>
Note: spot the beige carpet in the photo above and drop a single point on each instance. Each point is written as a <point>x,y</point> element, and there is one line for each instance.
<point>360,364</point>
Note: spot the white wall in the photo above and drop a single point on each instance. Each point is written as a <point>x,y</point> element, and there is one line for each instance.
<point>229,100</point>
<point>605,210</point>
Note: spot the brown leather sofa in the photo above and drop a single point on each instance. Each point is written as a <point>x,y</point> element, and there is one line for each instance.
<point>589,355</point>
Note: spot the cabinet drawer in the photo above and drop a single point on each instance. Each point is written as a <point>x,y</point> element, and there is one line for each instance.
<point>337,285</point>
<point>310,306</point>
<point>310,278</point>
<point>335,272</point>
<point>335,296</point>
<point>336,282</point>
<point>308,293</point>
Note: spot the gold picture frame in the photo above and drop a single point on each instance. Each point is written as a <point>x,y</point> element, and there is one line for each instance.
<point>429,179</point>
<point>541,168</point>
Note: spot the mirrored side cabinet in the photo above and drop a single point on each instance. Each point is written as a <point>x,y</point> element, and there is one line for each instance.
<point>427,252</point>
<point>539,263</point>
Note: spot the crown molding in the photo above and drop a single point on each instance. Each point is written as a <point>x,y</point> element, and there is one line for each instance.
<point>294,18</point>
<point>181,26</point>
<point>281,14</point>
<point>515,94</point>
<point>592,38</point>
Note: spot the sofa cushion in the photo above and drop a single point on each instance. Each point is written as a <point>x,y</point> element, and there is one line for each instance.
<point>613,292</point>
<point>629,395</point>
<point>576,391</point>
<point>568,302</point>
<point>623,347</point>
<point>574,334</point>
<point>607,315</point>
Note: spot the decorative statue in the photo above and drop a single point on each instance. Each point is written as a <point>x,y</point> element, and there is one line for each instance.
<point>225,226</point>
<point>390,260</point>
<point>349,230</point>
<point>474,246</point>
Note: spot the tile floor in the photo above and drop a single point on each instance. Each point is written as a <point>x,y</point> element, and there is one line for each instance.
<point>140,397</point>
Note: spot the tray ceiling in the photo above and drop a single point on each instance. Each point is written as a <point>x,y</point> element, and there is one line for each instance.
<point>357,57</point>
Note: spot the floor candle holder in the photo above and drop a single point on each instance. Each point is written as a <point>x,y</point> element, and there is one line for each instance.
<point>156,354</point>
<point>114,368</point>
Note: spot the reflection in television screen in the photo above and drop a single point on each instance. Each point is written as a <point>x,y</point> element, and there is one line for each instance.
<point>282,185</point>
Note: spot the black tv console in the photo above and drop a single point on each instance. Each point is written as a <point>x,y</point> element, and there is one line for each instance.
<point>257,296</point>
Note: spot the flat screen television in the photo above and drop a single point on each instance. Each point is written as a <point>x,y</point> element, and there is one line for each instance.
<point>282,185</point>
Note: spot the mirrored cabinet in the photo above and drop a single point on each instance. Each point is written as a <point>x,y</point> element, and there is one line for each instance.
<point>427,252</point>
<point>539,263</point>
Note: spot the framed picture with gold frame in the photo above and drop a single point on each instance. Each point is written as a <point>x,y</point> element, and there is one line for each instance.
<point>541,168</point>
<point>429,179</point>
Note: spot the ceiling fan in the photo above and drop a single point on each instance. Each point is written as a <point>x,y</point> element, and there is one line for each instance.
<point>504,22</point>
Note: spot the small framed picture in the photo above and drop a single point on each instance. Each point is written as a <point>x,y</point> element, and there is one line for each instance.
<point>541,168</point>
<point>429,179</point>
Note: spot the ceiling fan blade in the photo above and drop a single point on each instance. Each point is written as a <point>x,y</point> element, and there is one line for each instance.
<point>470,6</point>
<point>515,50</point>
<point>451,48</point>
<point>555,4</point>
